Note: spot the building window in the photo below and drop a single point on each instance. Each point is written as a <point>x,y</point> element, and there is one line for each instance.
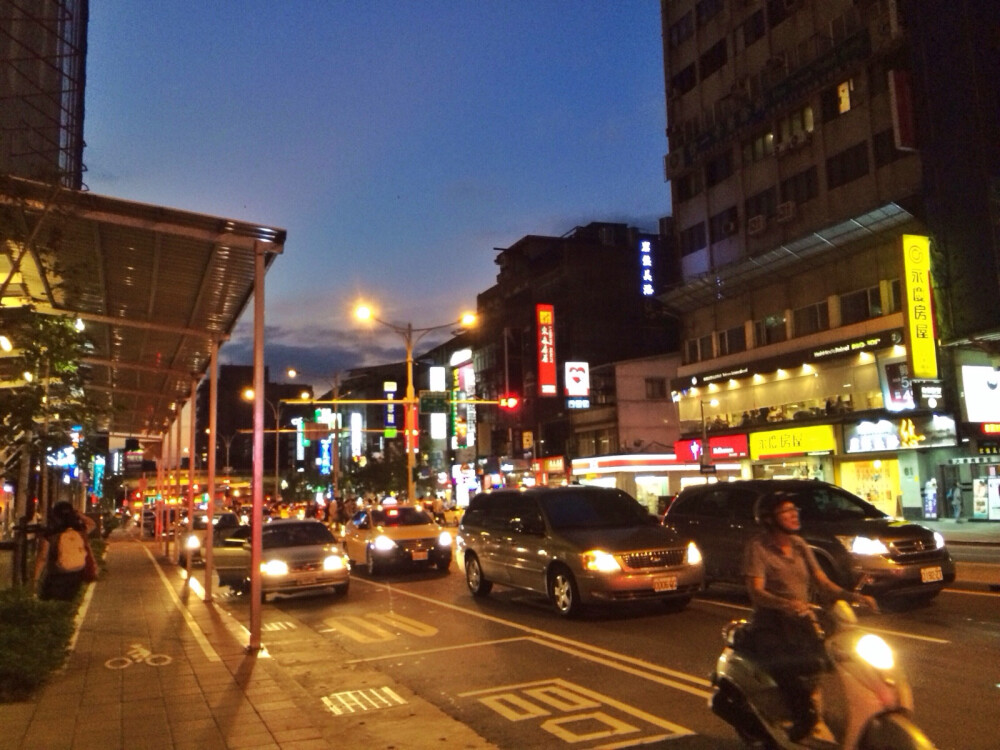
<point>863,304</point>
<point>836,100</point>
<point>691,351</point>
<point>762,204</point>
<point>801,187</point>
<point>681,31</point>
<point>706,10</point>
<point>895,295</point>
<point>797,123</point>
<point>884,148</point>
<point>687,186</point>
<point>811,319</point>
<point>753,28</point>
<point>713,58</point>
<point>847,166</point>
<point>719,168</point>
<point>723,224</point>
<point>758,149</point>
<point>770,329</point>
<point>705,347</point>
<point>656,389</point>
<point>732,341</point>
<point>693,239</point>
<point>683,81</point>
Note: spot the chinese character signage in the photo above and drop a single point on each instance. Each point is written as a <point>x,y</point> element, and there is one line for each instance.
<point>720,448</point>
<point>798,441</point>
<point>646,268</point>
<point>919,313</point>
<point>545,316</point>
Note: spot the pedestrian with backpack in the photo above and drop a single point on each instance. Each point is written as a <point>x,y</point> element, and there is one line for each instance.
<point>64,558</point>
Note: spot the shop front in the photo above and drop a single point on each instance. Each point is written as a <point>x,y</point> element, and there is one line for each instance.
<point>794,453</point>
<point>651,478</point>
<point>892,462</point>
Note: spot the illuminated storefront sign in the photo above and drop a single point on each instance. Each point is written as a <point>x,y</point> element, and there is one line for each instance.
<point>798,441</point>
<point>900,434</point>
<point>546,319</point>
<point>389,387</point>
<point>577,379</point>
<point>722,447</point>
<point>919,312</point>
<point>549,465</point>
<point>646,268</point>
<point>981,387</point>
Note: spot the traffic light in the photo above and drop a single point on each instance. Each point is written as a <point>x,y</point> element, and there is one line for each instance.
<point>509,401</point>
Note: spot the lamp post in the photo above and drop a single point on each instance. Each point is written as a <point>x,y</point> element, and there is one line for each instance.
<point>411,336</point>
<point>248,395</point>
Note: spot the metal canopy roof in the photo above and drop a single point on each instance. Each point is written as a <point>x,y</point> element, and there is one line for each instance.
<point>156,287</point>
<point>739,276</point>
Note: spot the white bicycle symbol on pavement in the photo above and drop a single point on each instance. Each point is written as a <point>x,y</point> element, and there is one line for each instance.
<point>138,654</point>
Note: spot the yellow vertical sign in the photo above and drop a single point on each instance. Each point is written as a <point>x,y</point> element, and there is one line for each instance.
<point>919,313</point>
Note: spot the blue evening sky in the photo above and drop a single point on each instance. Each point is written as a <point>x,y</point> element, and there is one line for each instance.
<point>397,141</point>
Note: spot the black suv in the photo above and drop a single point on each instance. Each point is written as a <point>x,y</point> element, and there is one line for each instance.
<point>850,537</point>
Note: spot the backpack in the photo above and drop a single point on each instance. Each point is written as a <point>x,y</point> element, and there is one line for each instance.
<point>69,551</point>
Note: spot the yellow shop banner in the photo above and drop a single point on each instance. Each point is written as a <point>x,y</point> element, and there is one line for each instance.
<point>797,441</point>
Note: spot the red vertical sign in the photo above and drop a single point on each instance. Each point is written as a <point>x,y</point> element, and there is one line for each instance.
<point>545,316</point>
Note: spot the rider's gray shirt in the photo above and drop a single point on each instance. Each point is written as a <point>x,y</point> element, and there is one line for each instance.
<point>788,576</point>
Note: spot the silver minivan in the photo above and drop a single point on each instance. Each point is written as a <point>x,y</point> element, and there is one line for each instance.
<point>576,545</point>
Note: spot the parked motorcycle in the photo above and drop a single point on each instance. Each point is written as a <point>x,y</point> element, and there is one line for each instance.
<point>875,703</point>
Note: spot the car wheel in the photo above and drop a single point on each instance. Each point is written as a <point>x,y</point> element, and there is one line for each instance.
<point>443,565</point>
<point>371,564</point>
<point>478,584</point>
<point>563,592</point>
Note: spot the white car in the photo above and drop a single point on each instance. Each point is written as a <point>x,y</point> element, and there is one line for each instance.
<point>296,555</point>
<point>193,540</point>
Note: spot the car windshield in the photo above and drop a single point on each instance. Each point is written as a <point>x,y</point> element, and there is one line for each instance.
<point>295,535</point>
<point>593,510</point>
<point>833,504</point>
<point>401,516</point>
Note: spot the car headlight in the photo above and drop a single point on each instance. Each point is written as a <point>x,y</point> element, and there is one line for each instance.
<point>334,562</point>
<point>938,540</point>
<point>192,543</point>
<point>863,545</point>
<point>274,568</point>
<point>383,543</point>
<point>444,539</point>
<point>875,651</point>
<point>600,561</point>
<point>693,555</point>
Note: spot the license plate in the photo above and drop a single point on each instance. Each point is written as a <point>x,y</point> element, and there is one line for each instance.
<point>930,575</point>
<point>419,554</point>
<point>665,583</point>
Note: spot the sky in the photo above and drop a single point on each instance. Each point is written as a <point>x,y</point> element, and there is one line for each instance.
<point>398,142</point>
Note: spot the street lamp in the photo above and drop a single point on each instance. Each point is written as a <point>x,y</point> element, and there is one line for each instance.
<point>411,336</point>
<point>248,395</point>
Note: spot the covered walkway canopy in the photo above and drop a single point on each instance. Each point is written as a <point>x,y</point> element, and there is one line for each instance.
<point>156,288</point>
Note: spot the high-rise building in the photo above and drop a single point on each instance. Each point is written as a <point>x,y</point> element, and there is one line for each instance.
<point>43,51</point>
<point>835,181</point>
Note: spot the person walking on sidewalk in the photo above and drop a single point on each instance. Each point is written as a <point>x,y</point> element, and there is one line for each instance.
<point>62,553</point>
<point>955,498</point>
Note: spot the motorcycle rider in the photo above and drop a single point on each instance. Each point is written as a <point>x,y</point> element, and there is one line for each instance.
<point>780,571</point>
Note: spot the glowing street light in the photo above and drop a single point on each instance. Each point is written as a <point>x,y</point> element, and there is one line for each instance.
<point>411,336</point>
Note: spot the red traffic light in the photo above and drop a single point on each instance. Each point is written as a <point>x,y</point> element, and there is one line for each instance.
<point>509,402</point>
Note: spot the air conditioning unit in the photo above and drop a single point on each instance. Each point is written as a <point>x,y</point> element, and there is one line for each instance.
<point>756,224</point>
<point>786,211</point>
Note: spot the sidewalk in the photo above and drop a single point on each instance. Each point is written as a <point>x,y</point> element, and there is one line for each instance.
<point>199,689</point>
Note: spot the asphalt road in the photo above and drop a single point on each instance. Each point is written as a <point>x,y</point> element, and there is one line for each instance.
<point>511,669</point>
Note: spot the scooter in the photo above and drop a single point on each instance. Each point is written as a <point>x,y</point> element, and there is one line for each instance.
<point>875,706</point>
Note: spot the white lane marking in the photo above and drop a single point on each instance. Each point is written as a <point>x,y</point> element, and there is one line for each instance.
<point>442,649</point>
<point>965,592</point>
<point>199,637</point>
<point>80,615</point>
<point>239,631</point>
<point>568,643</point>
